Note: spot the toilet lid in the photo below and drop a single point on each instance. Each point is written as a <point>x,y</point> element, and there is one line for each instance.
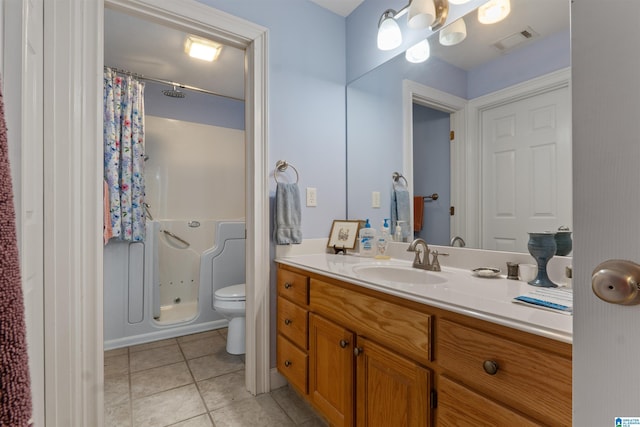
<point>233,293</point>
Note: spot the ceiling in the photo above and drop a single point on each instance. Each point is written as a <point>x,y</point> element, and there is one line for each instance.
<point>157,51</point>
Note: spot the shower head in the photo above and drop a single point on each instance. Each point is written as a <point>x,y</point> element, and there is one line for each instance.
<point>173,93</point>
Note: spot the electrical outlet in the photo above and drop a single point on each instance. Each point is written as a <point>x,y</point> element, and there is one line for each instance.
<point>375,199</point>
<point>312,196</point>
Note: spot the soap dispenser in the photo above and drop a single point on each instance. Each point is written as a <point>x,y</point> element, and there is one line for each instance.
<point>383,240</point>
<point>367,240</point>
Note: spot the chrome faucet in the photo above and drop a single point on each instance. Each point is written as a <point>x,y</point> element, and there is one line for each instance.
<point>459,240</point>
<point>425,263</point>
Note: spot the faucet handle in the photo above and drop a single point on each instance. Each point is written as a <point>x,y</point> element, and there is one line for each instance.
<point>435,264</point>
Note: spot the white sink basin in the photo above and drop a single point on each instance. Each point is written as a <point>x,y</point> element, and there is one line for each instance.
<point>398,274</point>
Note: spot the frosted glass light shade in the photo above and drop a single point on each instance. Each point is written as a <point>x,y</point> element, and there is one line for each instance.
<point>459,1</point>
<point>202,49</point>
<point>494,11</point>
<point>453,33</point>
<point>421,15</point>
<point>419,52</point>
<point>389,34</point>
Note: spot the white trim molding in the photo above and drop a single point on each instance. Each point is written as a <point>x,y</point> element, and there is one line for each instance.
<point>473,147</point>
<point>74,39</point>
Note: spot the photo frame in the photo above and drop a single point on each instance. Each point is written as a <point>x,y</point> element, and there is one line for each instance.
<point>344,234</point>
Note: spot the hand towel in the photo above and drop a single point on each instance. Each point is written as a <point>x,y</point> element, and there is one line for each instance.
<point>15,387</point>
<point>418,213</point>
<point>288,215</point>
<point>400,207</point>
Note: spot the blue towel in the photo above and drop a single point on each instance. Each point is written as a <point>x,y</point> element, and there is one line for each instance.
<point>400,210</point>
<point>288,215</point>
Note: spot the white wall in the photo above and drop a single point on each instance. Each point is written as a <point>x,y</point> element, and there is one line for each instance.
<point>194,170</point>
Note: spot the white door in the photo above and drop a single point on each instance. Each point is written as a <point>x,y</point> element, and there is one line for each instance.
<point>606,130</point>
<point>526,173</point>
<point>23,66</point>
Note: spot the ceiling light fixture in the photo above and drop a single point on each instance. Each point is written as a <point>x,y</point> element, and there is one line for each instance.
<point>202,49</point>
<point>419,52</point>
<point>422,14</point>
<point>494,11</point>
<point>453,33</point>
<point>389,35</point>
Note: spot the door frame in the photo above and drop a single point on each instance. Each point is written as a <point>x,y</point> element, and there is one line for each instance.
<point>473,148</point>
<point>72,95</point>
<point>413,92</point>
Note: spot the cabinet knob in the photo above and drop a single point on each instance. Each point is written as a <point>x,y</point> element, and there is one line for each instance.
<point>287,321</point>
<point>287,363</point>
<point>490,367</point>
<point>287,285</point>
<point>358,351</point>
<point>344,343</point>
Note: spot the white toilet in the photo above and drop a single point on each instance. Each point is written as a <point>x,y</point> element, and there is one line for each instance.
<point>230,302</point>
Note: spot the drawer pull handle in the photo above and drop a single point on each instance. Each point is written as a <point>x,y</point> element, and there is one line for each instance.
<point>358,351</point>
<point>344,343</point>
<point>287,285</point>
<point>288,321</point>
<point>287,363</point>
<point>490,367</point>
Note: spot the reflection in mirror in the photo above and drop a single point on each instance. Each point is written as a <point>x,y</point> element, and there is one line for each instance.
<point>507,170</point>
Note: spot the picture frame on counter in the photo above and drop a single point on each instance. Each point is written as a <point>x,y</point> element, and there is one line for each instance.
<point>344,234</point>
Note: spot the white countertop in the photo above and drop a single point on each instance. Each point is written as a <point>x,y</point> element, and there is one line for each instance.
<point>483,298</point>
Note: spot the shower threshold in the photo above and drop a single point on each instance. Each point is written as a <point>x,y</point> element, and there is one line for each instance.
<point>178,313</point>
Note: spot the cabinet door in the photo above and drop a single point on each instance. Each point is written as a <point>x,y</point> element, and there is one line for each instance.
<point>331,376</point>
<point>391,390</point>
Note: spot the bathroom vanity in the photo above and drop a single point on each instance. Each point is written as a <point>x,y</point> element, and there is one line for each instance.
<point>446,349</point>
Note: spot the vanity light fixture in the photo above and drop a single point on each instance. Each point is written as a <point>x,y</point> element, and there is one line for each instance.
<point>419,52</point>
<point>494,11</point>
<point>202,49</point>
<point>389,35</point>
<point>453,33</point>
<point>459,1</point>
<point>422,14</point>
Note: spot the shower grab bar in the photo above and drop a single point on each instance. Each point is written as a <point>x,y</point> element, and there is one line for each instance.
<point>170,234</point>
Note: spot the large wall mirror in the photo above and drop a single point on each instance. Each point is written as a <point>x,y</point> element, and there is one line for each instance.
<point>506,169</point>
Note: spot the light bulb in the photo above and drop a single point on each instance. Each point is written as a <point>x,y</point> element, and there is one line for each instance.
<point>419,52</point>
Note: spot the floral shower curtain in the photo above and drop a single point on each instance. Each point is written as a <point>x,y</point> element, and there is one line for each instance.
<point>124,155</point>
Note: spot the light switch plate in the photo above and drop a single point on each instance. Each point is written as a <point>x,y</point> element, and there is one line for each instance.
<point>312,197</point>
<point>375,199</point>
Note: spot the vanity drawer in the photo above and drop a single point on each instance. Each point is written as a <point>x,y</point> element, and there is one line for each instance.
<point>293,322</point>
<point>293,286</point>
<point>460,407</point>
<point>397,327</point>
<point>533,381</point>
<point>293,363</point>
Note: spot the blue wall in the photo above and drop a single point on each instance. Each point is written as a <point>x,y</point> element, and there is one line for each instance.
<point>307,64</point>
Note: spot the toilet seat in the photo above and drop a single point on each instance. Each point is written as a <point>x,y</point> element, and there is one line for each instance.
<point>231,293</point>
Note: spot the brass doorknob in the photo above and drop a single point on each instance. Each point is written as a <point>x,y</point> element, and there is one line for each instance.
<point>617,282</point>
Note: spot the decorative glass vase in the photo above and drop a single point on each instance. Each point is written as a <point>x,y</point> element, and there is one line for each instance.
<point>542,247</point>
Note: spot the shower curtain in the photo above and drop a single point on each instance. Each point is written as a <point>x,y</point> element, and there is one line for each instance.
<point>124,155</point>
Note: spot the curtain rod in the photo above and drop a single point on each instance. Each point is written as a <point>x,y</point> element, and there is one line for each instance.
<point>170,83</point>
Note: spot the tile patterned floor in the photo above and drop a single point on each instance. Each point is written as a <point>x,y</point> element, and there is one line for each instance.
<point>192,381</point>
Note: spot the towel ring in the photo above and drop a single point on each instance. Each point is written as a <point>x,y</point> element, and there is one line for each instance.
<point>281,166</point>
<point>397,177</point>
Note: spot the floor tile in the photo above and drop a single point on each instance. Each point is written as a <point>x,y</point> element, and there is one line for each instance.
<point>223,390</point>
<point>116,366</point>
<point>204,346</point>
<point>155,380</point>
<point>211,366</point>
<point>153,344</point>
<point>116,352</point>
<point>118,416</point>
<point>200,421</point>
<point>168,407</point>
<point>261,411</point>
<point>293,405</point>
<point>198,336</point>
<point>155,357</point>
<point>116,390</point>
